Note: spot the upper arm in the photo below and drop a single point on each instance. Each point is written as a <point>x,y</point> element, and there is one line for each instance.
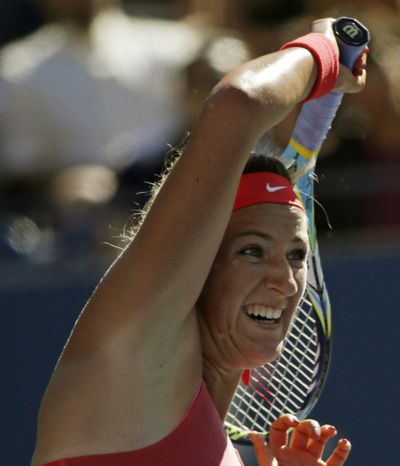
<point>161,273</point>
<point>143,307</point>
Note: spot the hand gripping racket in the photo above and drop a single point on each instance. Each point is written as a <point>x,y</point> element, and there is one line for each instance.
<point>293,382</point>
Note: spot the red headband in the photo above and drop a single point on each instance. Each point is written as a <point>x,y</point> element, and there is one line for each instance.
<point>260,187</point>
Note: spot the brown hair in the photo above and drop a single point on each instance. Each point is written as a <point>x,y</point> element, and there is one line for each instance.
<point>257,163</point>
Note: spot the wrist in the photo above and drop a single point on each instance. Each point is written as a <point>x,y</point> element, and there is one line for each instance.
<point>326,57</point>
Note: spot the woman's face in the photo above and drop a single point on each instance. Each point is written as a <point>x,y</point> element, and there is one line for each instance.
<point>255,285</point>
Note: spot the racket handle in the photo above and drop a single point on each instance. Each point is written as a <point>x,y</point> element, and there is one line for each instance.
<point>317,115</point>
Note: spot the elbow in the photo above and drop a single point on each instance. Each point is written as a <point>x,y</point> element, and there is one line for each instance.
<point>237,90</point>
<point>253,108</point>
<point>235,99</point>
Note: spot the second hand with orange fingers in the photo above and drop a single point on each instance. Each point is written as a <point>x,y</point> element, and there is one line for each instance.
<point>298,443</point>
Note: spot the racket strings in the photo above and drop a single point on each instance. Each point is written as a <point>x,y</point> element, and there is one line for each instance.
<point>283,386</point>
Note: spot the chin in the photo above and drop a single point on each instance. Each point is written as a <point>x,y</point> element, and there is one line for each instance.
<point>266,356</point>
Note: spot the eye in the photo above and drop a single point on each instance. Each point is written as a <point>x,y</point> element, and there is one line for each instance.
<point>297,255</point>
<point>252,251</point>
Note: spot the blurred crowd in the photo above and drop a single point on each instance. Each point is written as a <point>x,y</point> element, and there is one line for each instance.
<point>94,93</point>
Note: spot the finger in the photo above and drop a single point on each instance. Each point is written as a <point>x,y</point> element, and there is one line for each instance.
<point>348,82</point>
<point>361,64</point>
<point>361,81</point>
<point>316,446</point>
<point>322,25</point>
<point>340,453</point>
<point>263,453</point>
<point>307,430</point>
<point>278,433</point>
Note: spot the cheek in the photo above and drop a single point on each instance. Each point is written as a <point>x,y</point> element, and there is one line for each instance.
<point>223,290</point>
<point>301,278</point>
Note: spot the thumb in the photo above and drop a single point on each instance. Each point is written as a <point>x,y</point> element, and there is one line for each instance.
<point>263,452</point>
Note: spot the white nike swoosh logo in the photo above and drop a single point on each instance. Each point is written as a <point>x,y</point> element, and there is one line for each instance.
<point>272,189</point>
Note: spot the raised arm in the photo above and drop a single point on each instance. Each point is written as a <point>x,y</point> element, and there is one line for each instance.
<point>163,270</point>
<point>138,334</point>
<point>180,237</point>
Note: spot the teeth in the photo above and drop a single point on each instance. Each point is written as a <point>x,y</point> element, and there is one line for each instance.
<point>258,310</point>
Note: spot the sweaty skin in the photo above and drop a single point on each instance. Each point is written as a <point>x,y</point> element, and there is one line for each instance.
<point>175,305</point>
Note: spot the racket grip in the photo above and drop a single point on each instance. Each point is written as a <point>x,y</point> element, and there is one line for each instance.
<point>316,116</point>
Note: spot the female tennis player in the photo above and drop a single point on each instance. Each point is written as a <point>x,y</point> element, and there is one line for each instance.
<point>207,288</point>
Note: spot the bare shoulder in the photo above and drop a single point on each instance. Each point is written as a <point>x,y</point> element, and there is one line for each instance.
<point>135,352</point>
<point>115,401</point>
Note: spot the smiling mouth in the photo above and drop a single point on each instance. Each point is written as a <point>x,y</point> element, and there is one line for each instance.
<point>263,314</point>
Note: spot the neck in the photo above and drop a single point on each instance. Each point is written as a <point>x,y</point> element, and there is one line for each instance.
<point>221,384</point>
<point>221,376</point>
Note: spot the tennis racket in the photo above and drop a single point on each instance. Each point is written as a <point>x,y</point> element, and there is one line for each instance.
<point>294,381</point>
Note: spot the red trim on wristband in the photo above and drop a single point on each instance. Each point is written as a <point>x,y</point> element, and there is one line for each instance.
<point>327,59</point>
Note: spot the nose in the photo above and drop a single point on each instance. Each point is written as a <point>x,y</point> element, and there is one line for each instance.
<point>279,276</point>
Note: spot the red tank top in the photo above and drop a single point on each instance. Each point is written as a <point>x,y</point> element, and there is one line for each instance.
<point>199,440</point>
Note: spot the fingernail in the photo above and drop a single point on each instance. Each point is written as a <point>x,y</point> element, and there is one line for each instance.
<point>316,429</point>
<point>256,439</point>
<point>345,444</point>
<point>364,61</point>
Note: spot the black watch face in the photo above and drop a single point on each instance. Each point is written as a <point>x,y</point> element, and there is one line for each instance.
<point>350,31</point>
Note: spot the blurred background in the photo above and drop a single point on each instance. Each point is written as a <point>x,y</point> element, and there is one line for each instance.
<point>93,93</point>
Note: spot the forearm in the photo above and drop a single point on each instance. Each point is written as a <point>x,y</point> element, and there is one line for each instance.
<point>273,84</point>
